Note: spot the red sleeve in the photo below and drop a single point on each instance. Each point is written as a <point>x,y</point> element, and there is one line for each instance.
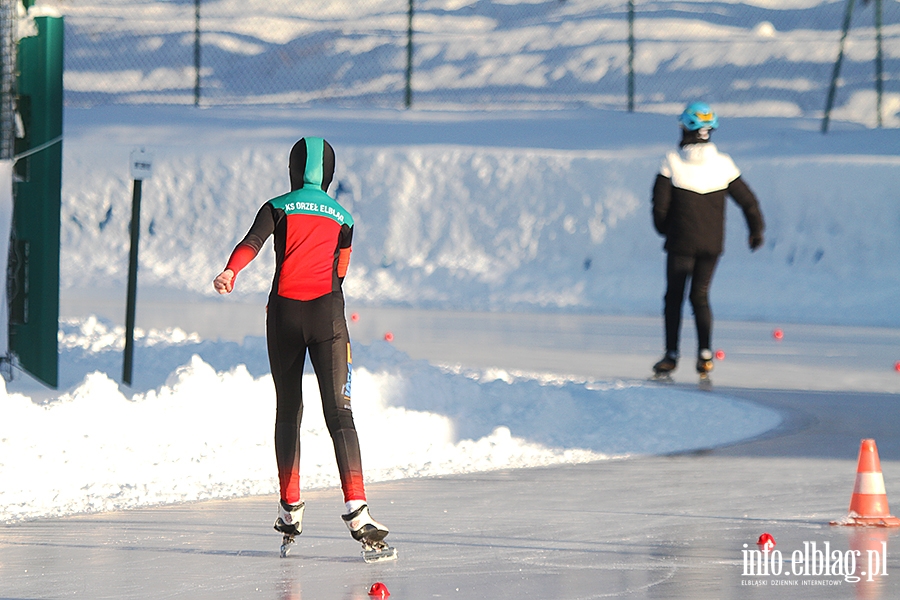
<point>343,262</point>
<point>344,245</point>
<point>241,257</point>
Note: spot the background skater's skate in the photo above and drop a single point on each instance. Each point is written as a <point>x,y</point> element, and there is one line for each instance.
<point>290,523</point>
<point>662,371</point>
<point>370,533</point>
<point>704,366</point>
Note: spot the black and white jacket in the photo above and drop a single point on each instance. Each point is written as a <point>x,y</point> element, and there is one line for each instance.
<point>689,199</point>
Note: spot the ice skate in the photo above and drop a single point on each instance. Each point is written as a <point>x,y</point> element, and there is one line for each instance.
<point>370,533</point>
<point>290,523</point>
<point>662,371</point>
<point>704,366</point>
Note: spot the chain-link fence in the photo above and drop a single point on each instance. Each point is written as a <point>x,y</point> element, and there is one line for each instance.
<point>776,60</point>
<point>8,25</point>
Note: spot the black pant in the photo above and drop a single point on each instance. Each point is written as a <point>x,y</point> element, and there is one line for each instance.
<point>318,326</point>
<point>700,270</point>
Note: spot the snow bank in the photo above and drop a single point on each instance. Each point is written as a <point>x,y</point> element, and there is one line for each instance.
<point>473,227</point>
<point>208,433</point>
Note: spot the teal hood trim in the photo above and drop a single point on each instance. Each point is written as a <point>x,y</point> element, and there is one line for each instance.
<point>311,164</point>
<point>315,152</point>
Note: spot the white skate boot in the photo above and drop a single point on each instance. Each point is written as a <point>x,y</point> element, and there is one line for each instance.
<point>290,523</point>
<point>370,533</point>
<point>704,366</point>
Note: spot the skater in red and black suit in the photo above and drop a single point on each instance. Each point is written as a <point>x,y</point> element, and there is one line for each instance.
<point>305,314</point>
<point>689,211</point>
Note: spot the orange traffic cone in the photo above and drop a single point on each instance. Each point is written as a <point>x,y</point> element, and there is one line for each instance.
<point>869,503</point>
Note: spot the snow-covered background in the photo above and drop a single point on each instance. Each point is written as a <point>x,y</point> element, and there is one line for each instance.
<point>530,211</point>
<point>755,57</point>
<point>487,210</point>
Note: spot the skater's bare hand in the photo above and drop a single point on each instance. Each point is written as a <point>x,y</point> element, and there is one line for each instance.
<point>224,282</point>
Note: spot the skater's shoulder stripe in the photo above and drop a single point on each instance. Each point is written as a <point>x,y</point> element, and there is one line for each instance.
<point>699,168</point>
<point>308,201</point>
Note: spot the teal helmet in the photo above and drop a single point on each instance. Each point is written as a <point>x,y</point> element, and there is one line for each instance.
<point>698,115</point>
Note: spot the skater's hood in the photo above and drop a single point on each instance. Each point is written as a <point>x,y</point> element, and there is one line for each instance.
<point>311,164</point>
<point>699,136</point>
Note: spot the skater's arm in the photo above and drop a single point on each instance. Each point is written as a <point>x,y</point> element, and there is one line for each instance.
<point>263,226</point>
<point>344,250</point>
<point>746,199</point>
<point>662,198</point>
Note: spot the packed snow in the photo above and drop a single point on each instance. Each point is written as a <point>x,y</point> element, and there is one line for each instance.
<point>198,423</point>
<point>463,210</point>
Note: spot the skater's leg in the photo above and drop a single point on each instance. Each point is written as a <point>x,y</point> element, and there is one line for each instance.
<point>287,353</point>
<point>331,359</point>
<point>701,279</point>
<point>678,268</point>
<point>330,355</point>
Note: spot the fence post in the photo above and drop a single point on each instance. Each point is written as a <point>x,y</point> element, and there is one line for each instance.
<point>409,56</point>
<point>879,62</point>
<point>8,27</point>
<point>630,55</point>
<point>837,67</point>
<point>196,52</point>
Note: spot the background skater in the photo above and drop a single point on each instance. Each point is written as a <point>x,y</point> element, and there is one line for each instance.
<point>305,313</point>
<point>689,211</point>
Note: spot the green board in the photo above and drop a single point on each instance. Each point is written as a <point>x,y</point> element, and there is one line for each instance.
<point>34,248</point>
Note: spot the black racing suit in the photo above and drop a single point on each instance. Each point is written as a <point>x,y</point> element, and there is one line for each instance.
<point>305,312</point>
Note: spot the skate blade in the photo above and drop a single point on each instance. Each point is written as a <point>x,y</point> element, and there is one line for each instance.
<point>384,554</point>
<point>705,382</point>
<point>286,544</point>
<point>662,378</point>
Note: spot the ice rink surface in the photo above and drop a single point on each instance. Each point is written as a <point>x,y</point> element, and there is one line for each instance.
<point>655,527</point>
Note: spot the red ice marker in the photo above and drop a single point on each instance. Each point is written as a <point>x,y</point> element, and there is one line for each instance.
<point>778,334</point>
<point>354,317</point>
<point>389,337</point>
<point>897,366</point>
<point>379,590</point>
<point>766,542</point>
<point>720,355</point>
